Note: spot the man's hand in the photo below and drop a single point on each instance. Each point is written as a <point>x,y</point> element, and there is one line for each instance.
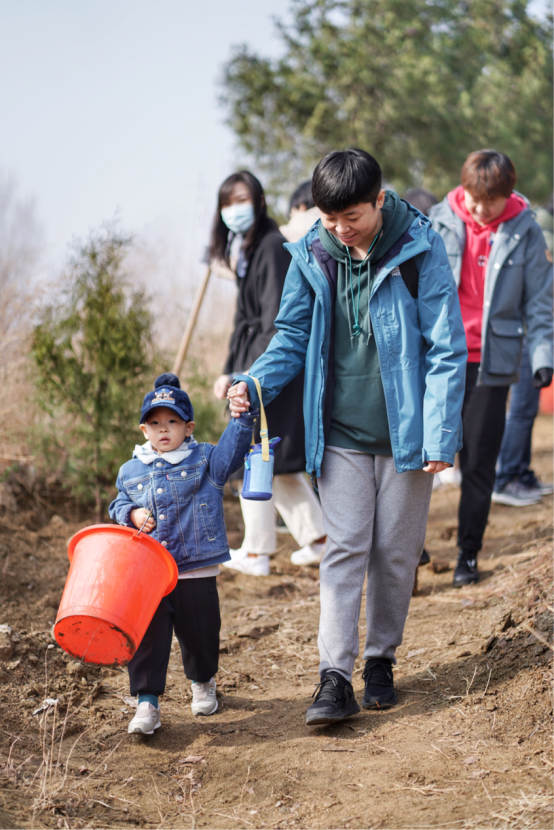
<point>138,518</point>
<point>436,466</point>
<point>221,386</point>
<point>239,399</point>
<point>542,378</point>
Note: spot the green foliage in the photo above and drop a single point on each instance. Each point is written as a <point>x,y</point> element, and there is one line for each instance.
<point>418,83</point>
<point>93,352</point>
<point>209,414</point>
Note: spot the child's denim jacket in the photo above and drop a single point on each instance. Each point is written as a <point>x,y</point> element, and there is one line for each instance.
<point>186,499</point>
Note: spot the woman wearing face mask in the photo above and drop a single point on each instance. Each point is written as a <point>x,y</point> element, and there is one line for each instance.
<point>248,242</point>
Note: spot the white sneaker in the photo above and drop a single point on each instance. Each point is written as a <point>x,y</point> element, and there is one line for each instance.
<point>239,553</point>
<point>451,475</point>
<point>309,554</point>
<point>204,699</point>
<point>251,565</point>
<point>146,720</point>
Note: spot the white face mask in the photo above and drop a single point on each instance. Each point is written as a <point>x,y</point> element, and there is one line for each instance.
<point>238,218</point>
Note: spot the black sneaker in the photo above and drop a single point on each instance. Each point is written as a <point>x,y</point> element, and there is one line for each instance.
<point>379,686</point>
<point>466,568</point>
<point>334,700</point>
<point>424,559</point>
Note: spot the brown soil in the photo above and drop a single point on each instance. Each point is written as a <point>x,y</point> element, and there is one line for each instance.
<point>467,746</point>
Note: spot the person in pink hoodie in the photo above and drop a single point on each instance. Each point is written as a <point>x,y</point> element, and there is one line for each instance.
<point>498,256</point>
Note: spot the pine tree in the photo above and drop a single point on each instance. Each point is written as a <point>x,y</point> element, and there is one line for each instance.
<point>417,83</point>
<point>94,355</point>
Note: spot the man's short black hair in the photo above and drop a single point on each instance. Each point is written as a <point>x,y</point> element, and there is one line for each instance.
<point>345,178</point>
<point>302,196</point>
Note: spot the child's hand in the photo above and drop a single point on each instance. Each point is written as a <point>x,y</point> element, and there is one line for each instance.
<point>239,399</point>
<point>436,466</point>
<point>138,518</point>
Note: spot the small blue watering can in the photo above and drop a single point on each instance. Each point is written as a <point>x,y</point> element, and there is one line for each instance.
<point>258,462</point>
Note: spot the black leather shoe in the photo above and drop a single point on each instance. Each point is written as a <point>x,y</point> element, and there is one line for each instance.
<point>379,686</point>
<point>334,700</point>
<point>466,569</point>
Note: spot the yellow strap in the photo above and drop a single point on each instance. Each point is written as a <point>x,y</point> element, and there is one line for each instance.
<point>263,431</point>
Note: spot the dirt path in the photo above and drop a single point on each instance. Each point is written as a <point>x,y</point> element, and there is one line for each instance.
<point>467,746</point>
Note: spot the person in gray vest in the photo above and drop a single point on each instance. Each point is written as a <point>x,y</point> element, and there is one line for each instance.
<point>498,256</point>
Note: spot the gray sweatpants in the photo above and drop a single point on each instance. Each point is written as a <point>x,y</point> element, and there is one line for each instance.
<point>375,520</point>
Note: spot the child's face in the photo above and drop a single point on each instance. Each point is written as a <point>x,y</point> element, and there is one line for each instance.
<point>165,429</point>
<point>357,225</point>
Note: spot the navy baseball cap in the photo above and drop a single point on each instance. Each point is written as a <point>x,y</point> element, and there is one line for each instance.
<point>167,392</point>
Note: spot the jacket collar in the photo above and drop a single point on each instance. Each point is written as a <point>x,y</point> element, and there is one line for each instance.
<point>147,454</point>
<point>414,241</point>
<point>520,224</point>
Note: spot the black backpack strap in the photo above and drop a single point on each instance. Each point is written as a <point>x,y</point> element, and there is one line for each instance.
<point>410,275</point>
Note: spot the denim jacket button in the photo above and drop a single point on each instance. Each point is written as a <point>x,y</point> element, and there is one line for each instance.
<point>158,463</point>
<point>164,544</point>
<point>183,473</point>
<point>159,490</point>
<point>162,517</point>
<point>139,487</point>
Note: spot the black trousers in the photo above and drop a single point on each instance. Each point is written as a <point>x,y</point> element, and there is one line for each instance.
<point>483,418</point>
<point>192,609</point>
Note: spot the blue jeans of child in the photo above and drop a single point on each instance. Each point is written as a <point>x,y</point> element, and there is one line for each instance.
<point>515,453</point>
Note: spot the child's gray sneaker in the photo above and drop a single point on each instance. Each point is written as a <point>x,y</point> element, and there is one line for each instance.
<point>204,698</point>
<point>146,720</point>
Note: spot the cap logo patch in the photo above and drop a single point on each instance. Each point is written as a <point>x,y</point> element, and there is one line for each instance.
<point>163,397</point>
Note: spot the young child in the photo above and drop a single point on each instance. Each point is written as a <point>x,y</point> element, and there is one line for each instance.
<point>370,310</point>
<point>173,489</point>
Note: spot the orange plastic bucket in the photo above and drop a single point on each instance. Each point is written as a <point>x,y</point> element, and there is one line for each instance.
<point>547,400</point>
<point>116,581</point>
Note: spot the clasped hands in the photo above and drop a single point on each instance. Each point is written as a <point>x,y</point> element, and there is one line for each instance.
<point>239,402</point>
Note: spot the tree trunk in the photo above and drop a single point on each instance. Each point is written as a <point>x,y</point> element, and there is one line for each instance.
<point>97,496</point>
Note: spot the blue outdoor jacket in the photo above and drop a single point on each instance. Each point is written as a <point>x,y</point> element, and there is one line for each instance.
<point>186,499</point>
<point>421,345</point>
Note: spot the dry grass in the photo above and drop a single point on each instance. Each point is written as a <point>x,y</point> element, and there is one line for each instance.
<point>524,810</point>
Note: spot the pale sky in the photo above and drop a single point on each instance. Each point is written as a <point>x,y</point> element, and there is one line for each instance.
<point>111,105</point>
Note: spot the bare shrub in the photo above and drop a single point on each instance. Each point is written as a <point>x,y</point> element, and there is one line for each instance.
<point>20,252</point>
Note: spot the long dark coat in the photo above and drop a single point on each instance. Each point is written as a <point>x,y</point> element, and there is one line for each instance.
<point>258,303</point>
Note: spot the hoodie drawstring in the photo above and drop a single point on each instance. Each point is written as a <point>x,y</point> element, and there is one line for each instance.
<point>356,329</point>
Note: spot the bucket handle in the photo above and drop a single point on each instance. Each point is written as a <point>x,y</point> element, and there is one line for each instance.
<point>139,531</point>
<point>263,431</point>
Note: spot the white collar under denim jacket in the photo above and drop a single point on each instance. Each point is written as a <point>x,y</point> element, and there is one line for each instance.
<point>147,454</point>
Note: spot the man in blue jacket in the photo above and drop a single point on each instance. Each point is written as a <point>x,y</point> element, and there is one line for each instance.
<point>370,309</point>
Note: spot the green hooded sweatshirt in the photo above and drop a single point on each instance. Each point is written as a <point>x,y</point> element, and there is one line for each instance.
<point>359,416</point>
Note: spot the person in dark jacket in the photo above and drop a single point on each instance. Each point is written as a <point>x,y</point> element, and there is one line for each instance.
<point>249,242</point>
